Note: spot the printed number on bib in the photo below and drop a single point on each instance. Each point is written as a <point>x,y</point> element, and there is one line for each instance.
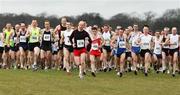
<point>34,37</point>
<point>22,39</point>
<point>80,43</point>
<point>158,48</point>
<point>107,42</point>
<point>95,46</point>
<point>146,44</point>
<point>121,44</point>
<point>46,37</point>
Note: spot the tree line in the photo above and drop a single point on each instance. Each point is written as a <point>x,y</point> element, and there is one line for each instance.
<point>170,18</point>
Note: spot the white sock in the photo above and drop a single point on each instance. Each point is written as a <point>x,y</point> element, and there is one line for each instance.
<point>93,67</point>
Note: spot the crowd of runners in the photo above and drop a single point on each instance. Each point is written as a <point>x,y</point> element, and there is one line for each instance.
<point>89,48</point>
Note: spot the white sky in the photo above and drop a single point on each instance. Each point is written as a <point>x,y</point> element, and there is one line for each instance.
<point>106,8</point>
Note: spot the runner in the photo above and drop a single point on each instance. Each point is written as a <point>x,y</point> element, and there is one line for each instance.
<point>121,45</point>
<point>14,47</point>
<point>95,51</point>
<point>7,32</point>
<point>157,51</point>
<point>165,51</point>
<point>146,46</point>
<point>114,49</point>
<point>61,27</point>
<point>79,36</point>
<point>173,41</point>
<point>34,42</point>
<point>46,40</point>
<point>106,48</point>
<point>135,47</point>
<point>23,46</point>
<point>68,48</point>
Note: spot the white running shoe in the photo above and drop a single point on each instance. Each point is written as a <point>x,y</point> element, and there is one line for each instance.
<point>118,73</point>
<point>81,76</point>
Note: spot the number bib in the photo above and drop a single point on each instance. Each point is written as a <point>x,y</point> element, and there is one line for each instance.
<point>23,39</point>
<point>146,44</point>
<point>174,45</point>
<point>80,43</point>
<point>107,43</point>
<point>46,37</point>
<point>95,46</point>
<point>158,48</point>
<point>1,44</point>
<point>122,44</point>
<point>34,38</point>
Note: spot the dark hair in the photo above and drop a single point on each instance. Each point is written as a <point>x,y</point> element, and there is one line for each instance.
<point>146,26</point>
<point>121,28</point>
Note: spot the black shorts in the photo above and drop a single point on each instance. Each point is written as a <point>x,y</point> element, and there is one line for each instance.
<point>172,51</point>
<point>144,51</point>
<point>55,52</point>
<point>6,48</point>
<point>24,46</point>
<point>166,51</point>
<point>15,48</point>
<point>107,48</point>
<point>46,47</point>
<point>31,46</point>
<point>159,56</point>
<point>1,49</point>
<point>128,54</point>
<point>69,48</point>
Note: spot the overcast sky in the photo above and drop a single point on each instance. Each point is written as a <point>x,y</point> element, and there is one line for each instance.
<point>106,8</point>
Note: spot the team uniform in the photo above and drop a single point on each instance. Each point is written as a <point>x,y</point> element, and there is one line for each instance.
<point>23,40</point>
<point>79,40</point>
<point>157,47</point>
<point>34,38</point>
<point>107,38</point>
<point>174,40</point>
<point>134,38</point>
<point>59,29</point>
<point>14,43</point>
<point>95,47</point>
<point>145,44</point>
<point>165,48</point>
<point>121,46</point>
<point>7,41</point>
<point>67,43</point>
<point>46,41</point>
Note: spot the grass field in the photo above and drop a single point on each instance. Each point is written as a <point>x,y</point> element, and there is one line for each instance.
<point>52,82</point>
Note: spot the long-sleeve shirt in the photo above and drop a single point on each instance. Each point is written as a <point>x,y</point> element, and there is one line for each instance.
<point>80,39</point>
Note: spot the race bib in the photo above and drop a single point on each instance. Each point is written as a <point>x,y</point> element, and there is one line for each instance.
<point>158,48</point>
<point>107,42</point>
<point>174,45</point>
<point>1,44</point>
<point>46,37</point>
<point>22,39</point>
<point>80,43</point>
<point>95,46</point>
<point>121,44</point>
<point>34,38</point>
<point>146,44</point>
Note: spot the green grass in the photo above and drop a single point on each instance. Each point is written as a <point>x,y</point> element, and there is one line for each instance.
<point>52,82</point>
